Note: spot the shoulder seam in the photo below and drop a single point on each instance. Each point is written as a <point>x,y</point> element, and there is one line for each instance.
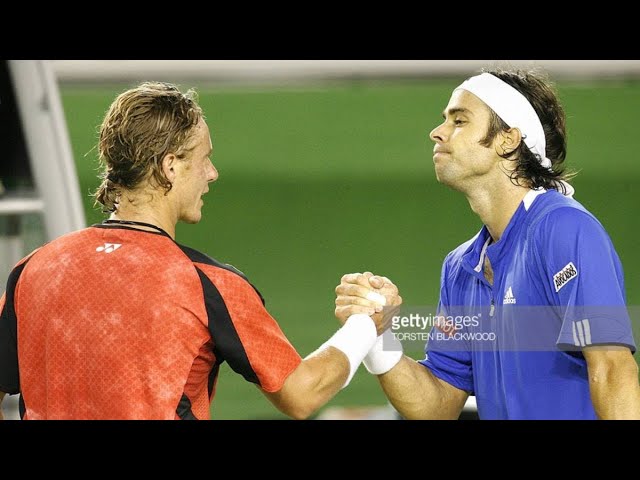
<point>198,257</point>
<point>544,215</point>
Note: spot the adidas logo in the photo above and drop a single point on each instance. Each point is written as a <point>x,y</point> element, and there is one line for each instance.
<point>109,247</point>
<point>508,297</point>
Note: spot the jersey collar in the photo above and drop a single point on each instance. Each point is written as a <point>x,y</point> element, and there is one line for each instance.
<point>482,245</point>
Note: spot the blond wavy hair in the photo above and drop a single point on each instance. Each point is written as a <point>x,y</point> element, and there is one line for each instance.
<point>141,127</point>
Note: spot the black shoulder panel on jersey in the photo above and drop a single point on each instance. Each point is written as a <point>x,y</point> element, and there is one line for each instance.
<point>9,373</point>
<point>226,341</point>
<point>196,256</point>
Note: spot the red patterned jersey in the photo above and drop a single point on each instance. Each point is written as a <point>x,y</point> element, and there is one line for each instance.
<point>112,322</point>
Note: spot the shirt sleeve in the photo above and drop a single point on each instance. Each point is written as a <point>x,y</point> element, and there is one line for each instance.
<point>448,359</point>
<point>244,333</point>
<point>584,278</point>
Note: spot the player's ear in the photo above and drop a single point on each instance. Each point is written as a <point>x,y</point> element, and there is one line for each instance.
<point>169,166</point>
<point>507,141</point>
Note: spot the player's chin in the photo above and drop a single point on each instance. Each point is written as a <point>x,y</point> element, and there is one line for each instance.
<point>192,217</point>
<point>441,178</point>
<point>444,177</point>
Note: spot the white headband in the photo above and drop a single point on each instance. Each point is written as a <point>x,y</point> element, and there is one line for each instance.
<point>513,108</point>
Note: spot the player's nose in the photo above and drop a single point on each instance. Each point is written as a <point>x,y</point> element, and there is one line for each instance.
<point>212,173</point>
<point>437,134</point>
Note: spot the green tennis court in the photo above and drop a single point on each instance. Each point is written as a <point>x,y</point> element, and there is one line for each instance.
<point>320,181</point>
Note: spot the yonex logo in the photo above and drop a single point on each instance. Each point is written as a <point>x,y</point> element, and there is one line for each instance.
<point>508,297</point>
<point>109,247</point>
<point>563,277</point>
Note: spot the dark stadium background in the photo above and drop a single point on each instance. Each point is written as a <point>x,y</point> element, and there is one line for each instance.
<point>320,181</point>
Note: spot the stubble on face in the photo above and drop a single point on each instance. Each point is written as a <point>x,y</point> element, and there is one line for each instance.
<point>459,157</point>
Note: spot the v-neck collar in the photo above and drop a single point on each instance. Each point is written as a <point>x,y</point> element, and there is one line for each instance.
<point>482,245</point>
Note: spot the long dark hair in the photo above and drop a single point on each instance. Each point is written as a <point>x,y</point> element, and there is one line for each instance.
<point>539,91</point>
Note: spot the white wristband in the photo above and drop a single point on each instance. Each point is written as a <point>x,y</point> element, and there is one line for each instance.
<point>355,338</point>
<point>384,355</point>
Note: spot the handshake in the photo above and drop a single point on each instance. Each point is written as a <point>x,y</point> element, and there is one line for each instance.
<point>365,305</point>
<point>368,294</point>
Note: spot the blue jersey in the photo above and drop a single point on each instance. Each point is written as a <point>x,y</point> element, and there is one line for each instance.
<point>557,287</point>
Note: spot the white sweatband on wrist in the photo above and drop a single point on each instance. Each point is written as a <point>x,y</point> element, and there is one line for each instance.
<point>384,355</point>
<point>355,338</point>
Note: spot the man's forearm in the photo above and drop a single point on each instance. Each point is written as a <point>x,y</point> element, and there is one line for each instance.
<point>312,384</point>
<point>327,370</point>
<point>616,399</point>
<point>2,394</point>
<point>613,382</point>
<point>418,395</point>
